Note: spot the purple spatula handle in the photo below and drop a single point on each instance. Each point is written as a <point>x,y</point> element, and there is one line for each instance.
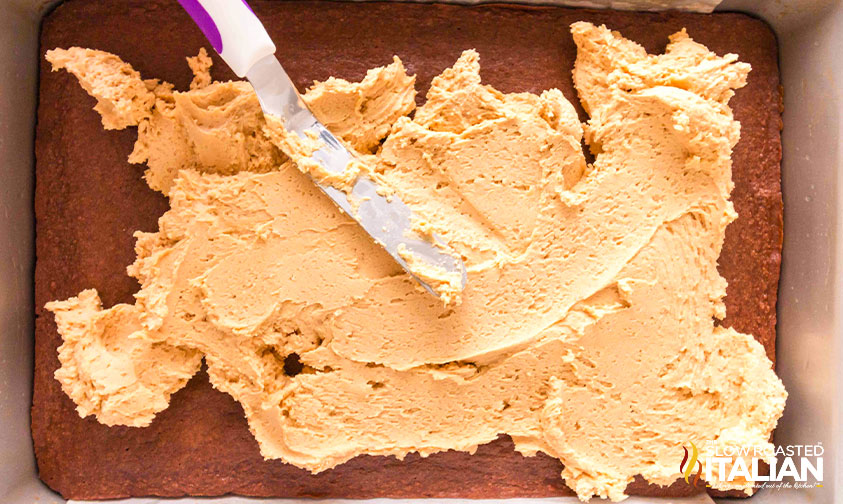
<point>233,30</point>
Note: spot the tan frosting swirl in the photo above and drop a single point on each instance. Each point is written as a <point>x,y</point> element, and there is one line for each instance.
<point>586,330</point>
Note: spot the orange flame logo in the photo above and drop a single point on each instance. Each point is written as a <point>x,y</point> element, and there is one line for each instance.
<point>686,467</point>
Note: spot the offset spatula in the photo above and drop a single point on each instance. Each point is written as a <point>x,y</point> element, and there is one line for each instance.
<point>241,40</point>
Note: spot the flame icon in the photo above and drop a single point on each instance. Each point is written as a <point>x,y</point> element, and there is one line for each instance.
<point>686,467</point>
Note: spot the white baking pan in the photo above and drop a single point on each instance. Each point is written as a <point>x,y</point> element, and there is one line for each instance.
<point>810,310</point>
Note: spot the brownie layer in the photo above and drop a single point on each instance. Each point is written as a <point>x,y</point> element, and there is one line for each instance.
<point>89,201</point>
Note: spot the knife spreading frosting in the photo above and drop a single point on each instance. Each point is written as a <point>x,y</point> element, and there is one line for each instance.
<point>587,330</point>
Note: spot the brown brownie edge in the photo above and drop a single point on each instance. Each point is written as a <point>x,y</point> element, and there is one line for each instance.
<point>89,201</point>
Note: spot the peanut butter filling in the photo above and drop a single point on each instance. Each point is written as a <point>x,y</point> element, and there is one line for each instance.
<point>587,327</point>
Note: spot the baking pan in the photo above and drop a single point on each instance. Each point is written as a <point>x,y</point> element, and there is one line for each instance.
<point>810,309</point>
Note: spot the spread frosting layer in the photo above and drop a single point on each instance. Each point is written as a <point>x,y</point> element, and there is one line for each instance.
<point>587,328</point>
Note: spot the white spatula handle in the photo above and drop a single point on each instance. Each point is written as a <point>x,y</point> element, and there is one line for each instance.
<point>233,30</point>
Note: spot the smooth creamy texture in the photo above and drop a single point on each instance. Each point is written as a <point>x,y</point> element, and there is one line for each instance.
<point>109,373</point>
<point>123,99</point>
<point>586,330</point>
<point>219,128</point>
<point>362,113</point>
<point>446,285</point>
